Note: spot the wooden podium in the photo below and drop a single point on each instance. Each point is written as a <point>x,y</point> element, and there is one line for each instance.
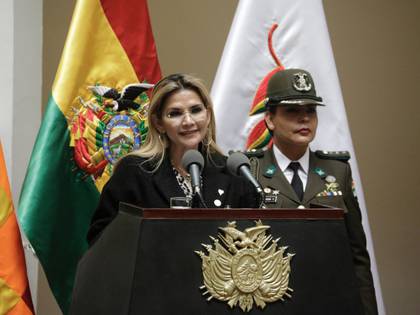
<point>145,263</point>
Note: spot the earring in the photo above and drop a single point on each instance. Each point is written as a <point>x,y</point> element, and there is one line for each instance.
<point>162,138</point>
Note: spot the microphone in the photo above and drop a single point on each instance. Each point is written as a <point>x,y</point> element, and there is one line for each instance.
<point>238,164</point>
<point>193,162</point>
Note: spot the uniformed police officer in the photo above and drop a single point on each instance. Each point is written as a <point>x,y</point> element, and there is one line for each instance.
<point>295,177</point>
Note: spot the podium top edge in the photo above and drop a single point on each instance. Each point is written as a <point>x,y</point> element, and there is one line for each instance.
<point>217,214</point>
<point>220,214</point>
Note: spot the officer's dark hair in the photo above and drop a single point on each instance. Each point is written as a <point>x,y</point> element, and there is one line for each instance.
<point>272,109</point>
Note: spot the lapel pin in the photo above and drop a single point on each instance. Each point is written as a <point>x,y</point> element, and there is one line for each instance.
<point>220,191</point>
<point>270,171</point>
<point>217,203</point>
<point>320,172</point>
<point>276,192</point>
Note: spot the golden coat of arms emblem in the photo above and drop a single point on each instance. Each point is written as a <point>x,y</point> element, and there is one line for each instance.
<point>245,267</point>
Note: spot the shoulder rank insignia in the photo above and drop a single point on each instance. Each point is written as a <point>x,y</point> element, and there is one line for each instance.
<point>255,153</point>
<point>333,155</point>
<point>245,267</point>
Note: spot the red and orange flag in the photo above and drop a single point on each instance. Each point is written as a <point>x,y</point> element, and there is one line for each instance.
<point>15,298</point>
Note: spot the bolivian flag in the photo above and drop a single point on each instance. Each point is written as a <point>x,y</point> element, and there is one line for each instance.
<point>15,298</point>
<point>109,43</point>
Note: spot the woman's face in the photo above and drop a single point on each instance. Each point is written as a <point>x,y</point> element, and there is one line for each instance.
<point>184,119</point>
<point>293,126</point>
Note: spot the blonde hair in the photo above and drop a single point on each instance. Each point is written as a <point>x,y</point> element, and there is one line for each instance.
<point>155,144</point>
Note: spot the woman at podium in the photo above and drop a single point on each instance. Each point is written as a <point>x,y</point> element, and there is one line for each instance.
<point>180,118</point>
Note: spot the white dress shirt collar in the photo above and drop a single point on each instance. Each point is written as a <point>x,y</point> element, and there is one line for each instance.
<point>283,161</point>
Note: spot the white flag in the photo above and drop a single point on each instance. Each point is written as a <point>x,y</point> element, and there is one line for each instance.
<point>300,41</point>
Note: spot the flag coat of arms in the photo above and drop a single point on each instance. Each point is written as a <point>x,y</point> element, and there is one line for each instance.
<point>95,114</point>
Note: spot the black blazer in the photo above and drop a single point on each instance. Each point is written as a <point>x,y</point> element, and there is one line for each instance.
<point>134,182</point>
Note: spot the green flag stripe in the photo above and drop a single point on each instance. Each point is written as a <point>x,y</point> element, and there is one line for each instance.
<point>56,204</point>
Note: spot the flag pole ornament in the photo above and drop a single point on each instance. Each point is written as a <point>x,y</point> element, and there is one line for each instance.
<point>107,127</point>
<point>259,136</point>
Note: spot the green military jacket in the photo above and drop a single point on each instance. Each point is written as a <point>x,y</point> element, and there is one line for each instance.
<point>319,193</point>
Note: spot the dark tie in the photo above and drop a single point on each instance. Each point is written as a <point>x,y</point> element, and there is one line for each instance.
<point>296,181</point>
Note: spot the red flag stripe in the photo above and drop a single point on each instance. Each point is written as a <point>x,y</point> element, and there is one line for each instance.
<point>135,36</point>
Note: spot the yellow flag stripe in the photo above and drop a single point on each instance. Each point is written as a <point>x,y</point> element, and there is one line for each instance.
<point>8,297</point>
<point>92,54</point>
<point>261,138</point>
<point>5,207</point>
<point>258,108</point>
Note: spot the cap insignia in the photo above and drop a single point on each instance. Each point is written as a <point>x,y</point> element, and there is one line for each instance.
<point>301,82</point>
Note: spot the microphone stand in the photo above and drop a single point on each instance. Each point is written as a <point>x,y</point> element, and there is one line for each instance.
<point>198,197</point>
<point>261,194</point>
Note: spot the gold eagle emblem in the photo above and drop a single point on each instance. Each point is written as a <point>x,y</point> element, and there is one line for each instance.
<point>245,267</point>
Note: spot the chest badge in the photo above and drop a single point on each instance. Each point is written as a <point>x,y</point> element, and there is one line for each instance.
<point>332,188</point>
<point>330,179</point>
<point>245,267</point>
<point>270,195</point>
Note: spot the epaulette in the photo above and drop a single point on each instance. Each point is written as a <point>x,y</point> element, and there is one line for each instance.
<point>255,153</point>
<point>333,155</point>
